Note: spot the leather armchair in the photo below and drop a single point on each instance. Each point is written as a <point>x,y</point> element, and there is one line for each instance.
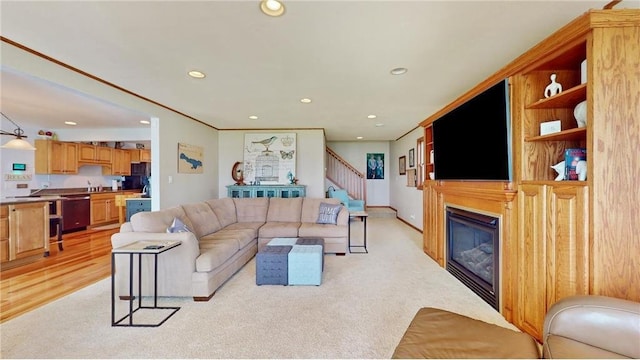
<point>592,326</point>
<point>351,204</point>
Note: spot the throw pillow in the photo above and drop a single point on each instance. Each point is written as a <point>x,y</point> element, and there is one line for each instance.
<point>328,213</point>
<point>177,226</point>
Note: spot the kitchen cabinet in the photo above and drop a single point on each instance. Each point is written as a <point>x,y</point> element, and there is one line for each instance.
<point>4,233</point>
<point>24,230</point>
<point>121,164</point>
<point>140,155</point>
<point>56,157</point>
<point>92,154</point>
<point>103,208</point>
<point>145,155</point>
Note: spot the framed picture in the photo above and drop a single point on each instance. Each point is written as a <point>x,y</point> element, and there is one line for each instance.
<point>190,159</point>
<point>411,158</point>
<point>269,158</point>
<point>402,165</point>
<point>375,166</point>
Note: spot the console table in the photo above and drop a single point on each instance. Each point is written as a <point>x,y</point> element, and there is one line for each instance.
<point>252,191</point>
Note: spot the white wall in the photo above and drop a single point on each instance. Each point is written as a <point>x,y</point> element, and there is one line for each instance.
<point>408,201</point>
<point>310,158</point>
<point>355,152</point>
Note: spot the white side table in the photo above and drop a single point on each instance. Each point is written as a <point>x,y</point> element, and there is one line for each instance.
<point>153,248</point>
<point>363,215</point>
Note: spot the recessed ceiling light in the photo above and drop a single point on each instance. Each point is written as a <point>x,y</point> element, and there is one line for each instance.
<point>196,74</point>
<point>272,7</point>
<point>359,137</point>
<point>72,123</point>
<point>379,124</point>
<point>371,116</point>
<point>146,122</point>
<point>253,117</point>
<point>398,71</point>
<point>305,101</point>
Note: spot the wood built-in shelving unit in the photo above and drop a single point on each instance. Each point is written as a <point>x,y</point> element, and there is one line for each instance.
<point>428,160</point>
<point>561,238</point>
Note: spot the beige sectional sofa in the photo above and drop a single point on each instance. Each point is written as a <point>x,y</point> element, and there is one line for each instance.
<point>225,234</point>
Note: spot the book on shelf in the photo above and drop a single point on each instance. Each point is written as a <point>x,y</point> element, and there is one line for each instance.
<point>575,162</point>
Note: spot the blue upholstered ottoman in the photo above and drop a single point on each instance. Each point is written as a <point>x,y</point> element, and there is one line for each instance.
<point>305,265</point>
<point>312,241</point>
<point>271,265</point>
<point>282,241</point>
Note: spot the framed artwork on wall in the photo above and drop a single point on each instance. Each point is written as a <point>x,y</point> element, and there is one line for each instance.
<point>411,158</point>
<point>190,159</point>
<point>402,165</point>
<point>269,158</point>
<point>375,166</point>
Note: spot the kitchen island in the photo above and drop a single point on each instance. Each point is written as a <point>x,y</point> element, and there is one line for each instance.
<point>24,229</point>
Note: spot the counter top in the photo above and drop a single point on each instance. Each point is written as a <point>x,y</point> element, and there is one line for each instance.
<point>22,200</point>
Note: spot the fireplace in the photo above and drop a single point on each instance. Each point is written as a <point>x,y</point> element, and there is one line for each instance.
<point>473,252</point>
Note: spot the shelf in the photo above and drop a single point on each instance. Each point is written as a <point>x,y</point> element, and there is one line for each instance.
<point>564,135</point>
<point>566,99</point>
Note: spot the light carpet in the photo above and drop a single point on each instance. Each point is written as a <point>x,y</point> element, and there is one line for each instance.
<point>361,310</point>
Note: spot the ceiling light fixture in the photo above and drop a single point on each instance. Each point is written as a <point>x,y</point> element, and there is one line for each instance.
<point>359,137</point>
<point>146,122</point>
<point>398,71</point>
<point>72,123</point>
<point>272,7</point>
<point>305,101</point>
<point>371,116</point>
<point>197,74</point>
<point>17,143</point>
<point>379,124</point>
<point>253,117</point>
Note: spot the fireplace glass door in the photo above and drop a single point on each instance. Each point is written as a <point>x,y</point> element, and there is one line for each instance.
<point>472,252</point>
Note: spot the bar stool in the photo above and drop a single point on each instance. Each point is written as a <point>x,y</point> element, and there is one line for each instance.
<point>56,221</point>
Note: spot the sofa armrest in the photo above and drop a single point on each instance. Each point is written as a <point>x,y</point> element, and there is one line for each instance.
<point>588,325</point>
<point>190,244</point>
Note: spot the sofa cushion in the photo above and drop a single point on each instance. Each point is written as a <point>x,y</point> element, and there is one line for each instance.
<point>284,209</point>
<point>311,207</point>
<point>322,230</point>
<point>214,253</point>
<point>225,210</point>
<point>202,217</point>
<point>328,214</point>
<point>243,237</point>
<point>158,221</point>
<point>279,229</point>
<point>177,226</point>
<point>251,209</point>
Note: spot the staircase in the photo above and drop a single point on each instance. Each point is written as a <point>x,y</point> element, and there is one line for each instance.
<point>345,176</point>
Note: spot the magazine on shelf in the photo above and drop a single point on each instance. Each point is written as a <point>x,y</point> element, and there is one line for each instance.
<point>575,162</point>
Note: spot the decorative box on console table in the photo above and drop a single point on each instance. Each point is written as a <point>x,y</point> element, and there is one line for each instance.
<point>252,191</point>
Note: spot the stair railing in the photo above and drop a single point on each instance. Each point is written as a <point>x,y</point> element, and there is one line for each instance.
<point>345,176</point>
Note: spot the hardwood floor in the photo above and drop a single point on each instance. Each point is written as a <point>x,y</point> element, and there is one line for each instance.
<point>86,259</point>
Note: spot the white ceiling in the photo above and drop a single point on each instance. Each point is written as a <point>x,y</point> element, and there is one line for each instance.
<point>337,53</point>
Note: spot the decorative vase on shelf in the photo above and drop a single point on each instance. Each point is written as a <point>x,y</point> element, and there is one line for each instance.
<point>580,113</point>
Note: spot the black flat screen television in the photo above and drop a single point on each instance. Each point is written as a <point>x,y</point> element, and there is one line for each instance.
<point>473,141</point>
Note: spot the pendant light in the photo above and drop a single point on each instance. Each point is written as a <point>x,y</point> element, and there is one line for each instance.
<point>18,143</point>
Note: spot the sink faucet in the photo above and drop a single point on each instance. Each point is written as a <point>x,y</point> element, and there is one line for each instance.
<point>89,187</point>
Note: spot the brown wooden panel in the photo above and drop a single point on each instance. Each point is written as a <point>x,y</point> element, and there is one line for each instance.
<point>567,242</point>
<point>531,251</point>
<point>612,162</point>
